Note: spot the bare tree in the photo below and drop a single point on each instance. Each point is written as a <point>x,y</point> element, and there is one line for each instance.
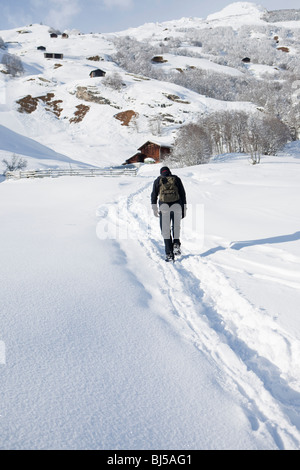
<point>228,132</point>
<point>276,135</point>
<point>15,163</point>
<point>292,119</point>
<point>255,138</point>
<point>113,81</point>
<point>236,131</point>
<point>13,64</point>
<point>192,147</point>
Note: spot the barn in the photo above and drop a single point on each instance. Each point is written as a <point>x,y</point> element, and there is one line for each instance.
<point>136,158</point>
<point>97,73</point>
<point>153,151</point>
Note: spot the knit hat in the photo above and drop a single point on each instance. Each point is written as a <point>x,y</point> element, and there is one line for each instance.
<point>165,171</point>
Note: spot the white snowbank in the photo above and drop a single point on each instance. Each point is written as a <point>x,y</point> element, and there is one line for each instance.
<point>109,347</point>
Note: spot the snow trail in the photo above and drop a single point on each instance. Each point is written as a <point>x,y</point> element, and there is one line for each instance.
<point>259,358</point>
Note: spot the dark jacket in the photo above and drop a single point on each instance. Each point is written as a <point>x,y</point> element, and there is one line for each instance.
<point>181,190</point>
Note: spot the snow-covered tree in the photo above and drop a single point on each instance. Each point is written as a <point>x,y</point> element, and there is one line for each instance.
<point>13,64</point>
<point>192,147</point>
<point>229,132</point>
<point>113,81</point>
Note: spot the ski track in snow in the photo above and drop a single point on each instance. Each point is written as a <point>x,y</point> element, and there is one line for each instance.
<point>224,325</point>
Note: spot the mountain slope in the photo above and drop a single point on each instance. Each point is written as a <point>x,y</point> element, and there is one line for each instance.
<point>63,100</point>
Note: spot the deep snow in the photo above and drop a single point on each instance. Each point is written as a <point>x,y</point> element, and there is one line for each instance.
<point>103,345</point>
<point>109,347</point>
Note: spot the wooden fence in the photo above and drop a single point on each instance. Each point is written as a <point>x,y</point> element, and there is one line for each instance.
<point>89,172</point>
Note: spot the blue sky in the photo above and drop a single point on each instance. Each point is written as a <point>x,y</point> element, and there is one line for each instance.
<point>112,15</point>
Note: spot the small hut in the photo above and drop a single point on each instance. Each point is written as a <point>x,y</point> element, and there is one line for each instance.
<point>97,73</point>
<point>153,151</point>
<point>136,158</point>
<point>41,48</point>
<point>52,55</point>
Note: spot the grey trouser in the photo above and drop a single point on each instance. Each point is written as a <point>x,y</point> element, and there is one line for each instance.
<point>170,219</point>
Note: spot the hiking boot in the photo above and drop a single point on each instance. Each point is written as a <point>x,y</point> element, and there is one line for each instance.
<point>169,257</point>
<point>176,249</point>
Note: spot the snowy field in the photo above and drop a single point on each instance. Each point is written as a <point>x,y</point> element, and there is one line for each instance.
<point>103,345</point>
<point>106,346</point>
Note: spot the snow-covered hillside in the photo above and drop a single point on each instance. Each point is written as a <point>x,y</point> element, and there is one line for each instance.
<point>89,140</point>
<point>103,345</point>
<point>76,116</point>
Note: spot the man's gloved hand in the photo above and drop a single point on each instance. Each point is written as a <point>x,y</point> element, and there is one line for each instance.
<point>155,210</point>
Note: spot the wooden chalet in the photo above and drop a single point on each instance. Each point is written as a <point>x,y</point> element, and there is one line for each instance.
<point>150,150</point>
<point>52,55</point>
<point>97,73</point>
<point>136,158</point>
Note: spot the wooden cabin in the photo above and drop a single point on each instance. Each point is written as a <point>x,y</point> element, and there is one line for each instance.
<point>155,151</point>
<point>150,150</point>
<point>53,35</point>
<point>136,158</point>
<point>158,59</point>
<point>52,55</point>
<point>97,73</point>
<point>64,36</point>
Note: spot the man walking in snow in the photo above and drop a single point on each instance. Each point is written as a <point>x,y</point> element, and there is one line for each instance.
<point>169,191</point>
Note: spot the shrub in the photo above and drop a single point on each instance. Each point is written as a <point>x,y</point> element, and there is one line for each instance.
<point>113,81</point>
<point>16,163</point>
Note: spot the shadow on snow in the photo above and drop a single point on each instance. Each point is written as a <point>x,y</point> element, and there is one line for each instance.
<point>261,241</point>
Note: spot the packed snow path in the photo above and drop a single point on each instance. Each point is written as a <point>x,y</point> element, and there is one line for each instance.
<point>109,347</point>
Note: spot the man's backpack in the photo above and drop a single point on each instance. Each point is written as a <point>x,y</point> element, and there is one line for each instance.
<point>168,189</point>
